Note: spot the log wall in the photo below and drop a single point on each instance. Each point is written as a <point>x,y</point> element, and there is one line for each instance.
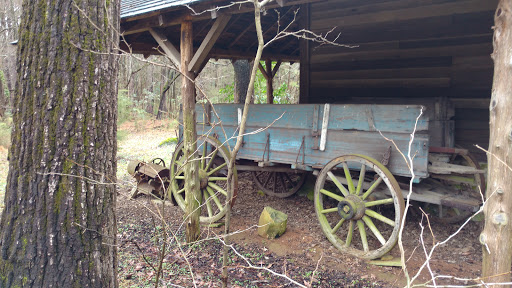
<point>435,53</point>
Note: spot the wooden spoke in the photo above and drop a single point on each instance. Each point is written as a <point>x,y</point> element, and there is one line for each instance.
<point>218,178</point>
<point>217,168</point>
<point>208,203</point>
<point>330,210</point>
<point>181,190</point>
<point>338,184</point>
<point>338,225</point>
<point>332,195</point>
<point>379,202</point>
<point>214,197</point>
<point>282,181</point>
<point>214,154</point>
<point>374,229</point>
<point>350,233</point>
<point>362,232</point>
<point>361,179</point>
<point>218,188</point>
<point>203,157</point>
<point>179,177</point>
<point>379,217</point>
<point>350,184</point>
<point>374,185</point>
<point>268,179</point>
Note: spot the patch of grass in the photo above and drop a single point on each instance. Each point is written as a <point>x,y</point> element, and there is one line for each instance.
<point>169,141</point>
<point>5,133</point>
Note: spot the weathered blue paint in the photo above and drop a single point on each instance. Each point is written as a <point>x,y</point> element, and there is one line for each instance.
<point>352,129</point>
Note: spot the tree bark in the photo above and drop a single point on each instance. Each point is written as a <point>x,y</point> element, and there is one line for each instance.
<point>497,234</point>
<point>242,76</point>
<point>188,94</point>
<point>58,227</point>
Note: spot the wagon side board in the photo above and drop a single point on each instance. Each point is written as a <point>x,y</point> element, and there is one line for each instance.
<point>292,134</point>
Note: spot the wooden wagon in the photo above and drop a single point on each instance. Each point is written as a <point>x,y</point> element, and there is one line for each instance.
<point>364,157</point>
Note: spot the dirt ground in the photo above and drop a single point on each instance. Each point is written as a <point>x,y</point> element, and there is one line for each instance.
<point>302,252</point>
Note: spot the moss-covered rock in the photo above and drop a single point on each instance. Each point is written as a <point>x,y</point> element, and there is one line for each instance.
<point>272,223</point>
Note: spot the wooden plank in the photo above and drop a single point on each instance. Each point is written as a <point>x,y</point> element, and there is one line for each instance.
<point>169,49</point>
<point>426,72</point>
<point>354,54</point>
<point>448,168</point>
<point>326,20</point>
<point>202,53</point>
<point>399,82</point>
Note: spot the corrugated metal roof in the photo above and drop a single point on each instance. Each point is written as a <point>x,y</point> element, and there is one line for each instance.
<point>130,8</point>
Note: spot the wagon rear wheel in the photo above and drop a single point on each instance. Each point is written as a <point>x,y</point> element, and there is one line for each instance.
<point>279,184</point>
<point>213,167</point>
<point>462,185</point>
<point>359,205</point>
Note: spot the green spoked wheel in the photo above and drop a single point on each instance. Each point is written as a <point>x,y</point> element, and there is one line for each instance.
<point>213,170</point>
<point>279,184</point>
<point>359,205</point>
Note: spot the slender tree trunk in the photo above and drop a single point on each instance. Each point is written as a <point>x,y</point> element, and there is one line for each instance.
<point>497,234</point>
<point>3,99</point>
<point>162,107</point>
<point>188,93</point>
<point>270,82</point>
<point>58,227</point>
<point>242,76</point>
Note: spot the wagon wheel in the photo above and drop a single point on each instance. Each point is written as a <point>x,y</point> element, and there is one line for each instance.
<point>212,177</point>
<point>279,184</point>
<point>369,203</point>
<point>465,185</point>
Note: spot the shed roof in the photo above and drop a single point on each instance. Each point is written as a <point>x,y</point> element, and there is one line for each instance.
<point>130,8</point>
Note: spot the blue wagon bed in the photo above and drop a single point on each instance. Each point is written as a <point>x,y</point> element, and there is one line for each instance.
<point>359,154</point>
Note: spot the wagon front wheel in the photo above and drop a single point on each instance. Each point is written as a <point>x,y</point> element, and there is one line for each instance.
<point>213,168</point>
<point>359,205</point>
<point>279,184</point>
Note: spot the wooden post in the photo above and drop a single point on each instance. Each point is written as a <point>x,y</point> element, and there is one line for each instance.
<point>497,234</point>
<point>188,92</point>
<point>304,56</point>
<point>270,82</point>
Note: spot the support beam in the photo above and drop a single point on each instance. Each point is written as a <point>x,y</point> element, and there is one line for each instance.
<point>169,49</point>
<point>188,92</point>
<point>304,56</point>
<point>202,53</point>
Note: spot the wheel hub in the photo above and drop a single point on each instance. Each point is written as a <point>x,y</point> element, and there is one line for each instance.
<point>203,179</point>
<point>351,208</point>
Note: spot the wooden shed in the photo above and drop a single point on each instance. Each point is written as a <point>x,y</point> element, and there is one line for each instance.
<point>430,52</point>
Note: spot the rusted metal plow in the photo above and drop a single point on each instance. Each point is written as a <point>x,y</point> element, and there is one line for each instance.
<point>152,178</point>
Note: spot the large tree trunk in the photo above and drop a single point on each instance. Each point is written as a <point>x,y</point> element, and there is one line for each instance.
<point>58,224</point>
<point>242,70</point>
<point>497,234</point>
